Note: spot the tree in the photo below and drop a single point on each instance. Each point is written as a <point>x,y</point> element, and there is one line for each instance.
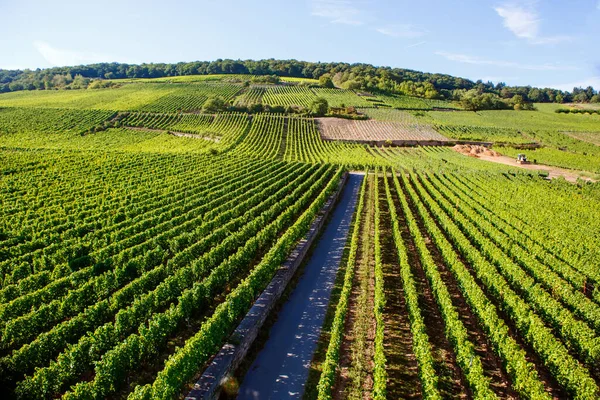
<point>535,95</point>
<point>14,86</point>
<point>472,100</point>
<point>559,98</point>
<point>80,82</point>
<point>595,98</point>
<point>319,107</point>
<point>581,97</point>
<point>325,81</point>
<point>214,104</point>
<point>352,85</point>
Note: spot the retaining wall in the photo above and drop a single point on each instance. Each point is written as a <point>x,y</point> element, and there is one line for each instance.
<point>233,352</point>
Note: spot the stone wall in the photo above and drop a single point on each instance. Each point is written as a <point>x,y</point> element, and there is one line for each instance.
<point>233,352</point>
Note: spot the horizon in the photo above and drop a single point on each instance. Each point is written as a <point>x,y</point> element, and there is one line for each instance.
<point>528,43</point>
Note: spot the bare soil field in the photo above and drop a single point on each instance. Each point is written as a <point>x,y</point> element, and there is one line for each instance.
<point>371,130</point>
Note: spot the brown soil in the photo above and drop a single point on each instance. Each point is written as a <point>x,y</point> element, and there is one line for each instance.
<point>410,130</point>
<point>486,154</point>
<point>475,150</point>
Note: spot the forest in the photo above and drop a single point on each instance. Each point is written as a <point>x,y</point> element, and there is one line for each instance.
<point>483,95</point>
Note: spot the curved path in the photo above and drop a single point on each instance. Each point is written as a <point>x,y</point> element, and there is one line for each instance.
<point>281,368</point>
<point>553,172</point>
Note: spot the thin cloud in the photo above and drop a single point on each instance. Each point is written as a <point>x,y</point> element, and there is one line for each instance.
<point>415,44</point>
<point>338,11</point>
<point>401,31</point>
<point>468,59</point>
<point>598,5</point>
<point>61,58</point>
<point>524,23</point>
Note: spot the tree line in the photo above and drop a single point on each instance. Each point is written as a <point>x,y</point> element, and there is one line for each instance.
<point>348,76</point>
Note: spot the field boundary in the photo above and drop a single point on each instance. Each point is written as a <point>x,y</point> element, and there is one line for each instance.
<point>410,143</point>
<point>173,133</point>
<point>233,352</point>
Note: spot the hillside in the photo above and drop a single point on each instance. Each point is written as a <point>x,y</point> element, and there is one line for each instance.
<point>142,220</point>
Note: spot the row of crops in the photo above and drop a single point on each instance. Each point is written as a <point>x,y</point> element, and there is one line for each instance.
<point>485,134</point>
<point>290,95</point>
<point>267,136</point>
<point>137,264</point>
<point>226,128</point>
<point>188,94</point>
<point>191,97</point>
<point>500,301</point>
<point>367,131</point>
<point>189,123</point>
<point>149,97</point>
<point>50,121</point>
<point>409,103</point>
<point>128,254</point>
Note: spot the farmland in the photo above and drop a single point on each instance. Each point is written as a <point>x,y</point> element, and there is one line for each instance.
<point>405,129</point>
<point>137,229</point>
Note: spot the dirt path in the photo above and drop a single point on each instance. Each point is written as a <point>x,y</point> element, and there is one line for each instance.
<point>553,172</point>
<point>282,366</point>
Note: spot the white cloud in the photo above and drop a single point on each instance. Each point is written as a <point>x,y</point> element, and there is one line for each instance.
<point>524,23</point>
<point>467,59</point>
<point>401,31</point>
<point>60,57</point>
<point>338,11</point>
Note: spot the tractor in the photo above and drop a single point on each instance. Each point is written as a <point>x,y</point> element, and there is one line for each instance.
<point>522,159</point>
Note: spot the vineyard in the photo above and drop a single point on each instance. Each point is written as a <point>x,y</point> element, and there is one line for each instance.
<point>484,134</point>
<point>123,284</point>
<point>137,231</point>
<point>414,103</point>
<point>150,97</point>
<point>490,306</point>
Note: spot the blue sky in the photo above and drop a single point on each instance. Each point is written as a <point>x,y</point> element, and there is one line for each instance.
<point>539,42</point>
